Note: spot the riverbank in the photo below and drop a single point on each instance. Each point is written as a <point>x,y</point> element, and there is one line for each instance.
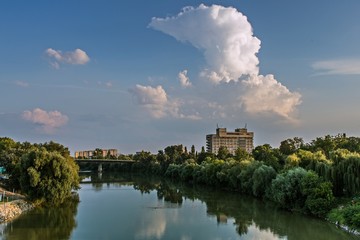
<point>13,206</point>
<point>13,209</point>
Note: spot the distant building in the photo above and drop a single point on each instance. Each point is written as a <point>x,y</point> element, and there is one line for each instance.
<point>231,140</point>
<point>91,153</point>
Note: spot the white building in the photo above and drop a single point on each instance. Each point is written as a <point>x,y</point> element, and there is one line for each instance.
<point>231,140</point>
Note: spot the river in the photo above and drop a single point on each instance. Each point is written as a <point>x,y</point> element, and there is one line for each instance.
<point>132,207</point>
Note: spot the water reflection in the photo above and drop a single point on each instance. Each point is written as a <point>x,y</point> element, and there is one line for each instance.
<point>123,206</point>
<point>54,223</point>
<point>153,225</point>
<point>251,217</point>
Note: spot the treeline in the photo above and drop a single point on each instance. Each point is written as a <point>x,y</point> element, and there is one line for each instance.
<point>306,177</point>
<point>45,173</point>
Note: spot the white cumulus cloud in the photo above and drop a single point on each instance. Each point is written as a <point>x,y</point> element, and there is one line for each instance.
<point>230,48</point>
<point>76,57</point>
<point>157,103</point>
<point>49,121</point>
<point>154,99</point>
<point>265,94</point>
<point>337,67</point>
<point>223,34</point>
<point>184,79</point>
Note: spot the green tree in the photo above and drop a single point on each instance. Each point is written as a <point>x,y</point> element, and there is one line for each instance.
<point>268,155</point>
<point>223,153</point>
<point>326,144</point>
<point>175,153</point>
<point>285,189</point>
<point>56,147</point>
<point>319,195</point>
<point>192,153</point>
<point>98,154</point>
<point>291,145</point>
<point>262,178</point>
<point>242,154</point>
<point>48,176</point>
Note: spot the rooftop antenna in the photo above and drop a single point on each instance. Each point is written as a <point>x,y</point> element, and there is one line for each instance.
<point>245,125</point>
<point>217,125</point>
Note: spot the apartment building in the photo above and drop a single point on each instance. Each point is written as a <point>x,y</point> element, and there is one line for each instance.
<point>231,140</point>
<point>88,154</point>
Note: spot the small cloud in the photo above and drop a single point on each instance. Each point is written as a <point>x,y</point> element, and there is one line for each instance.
<point>76,57</point>
<point>106,84</point>
<point>184,79</point>
<point>337,67</point>
<point>154,99</point>
<point>157,103</point>
<point>49,121</point>
<point>22,84</point>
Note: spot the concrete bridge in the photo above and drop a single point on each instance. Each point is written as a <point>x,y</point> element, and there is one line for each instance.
<point>101,161</point>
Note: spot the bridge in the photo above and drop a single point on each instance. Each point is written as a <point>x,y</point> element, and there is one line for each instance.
<point>101,161</point>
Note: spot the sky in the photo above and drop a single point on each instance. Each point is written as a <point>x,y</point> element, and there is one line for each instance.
<point>143,75</point>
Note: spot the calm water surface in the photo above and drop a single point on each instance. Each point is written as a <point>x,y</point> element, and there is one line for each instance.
<point>115,207</point>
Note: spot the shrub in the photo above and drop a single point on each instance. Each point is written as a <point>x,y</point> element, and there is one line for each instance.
<point>285,189</point>
<point>262,178</point>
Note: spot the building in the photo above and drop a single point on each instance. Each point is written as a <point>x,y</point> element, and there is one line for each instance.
<point>91,153</point>
<point>231,140</point>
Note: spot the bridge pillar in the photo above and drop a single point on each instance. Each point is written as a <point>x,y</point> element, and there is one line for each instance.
<point>100,167</point>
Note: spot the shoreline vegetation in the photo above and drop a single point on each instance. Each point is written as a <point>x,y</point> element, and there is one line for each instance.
<point>12,205</point>
<point>38,174</point>
<point>320,178</point>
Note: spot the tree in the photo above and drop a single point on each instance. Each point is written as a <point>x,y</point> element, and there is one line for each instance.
<point>176,153</point>
<point>242,154</point>
<point>291,145</point>
<point>192,153</point>
<point>53,146</point>
<point>48,176</point>
<point>98,153</point>
<point>326,144</point>
<point>319,196</point>
<point>223,153</point>
<point>262,178</point>
<point>268,155</point>
<point>286,189</point>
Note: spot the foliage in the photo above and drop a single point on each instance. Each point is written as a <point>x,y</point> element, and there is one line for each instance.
<point>318,193</point>
<point>48,176</point>
<point>241,154</point>
<point>285,189</point>
<point>302,190</point>
<point>223,153</point>
<point>268,155</point>
<point>348,215</point>
<point>262,178</point>
<point>291,145</point>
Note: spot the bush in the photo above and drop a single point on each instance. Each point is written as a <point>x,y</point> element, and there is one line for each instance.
<point>262,178</point>
<point>318,193</point>
<point>246,175</point>
<point>352,216</point>
<point>186,172</point>
<point>173,171</point>
<point>348,215</point>
<point>285,189</point>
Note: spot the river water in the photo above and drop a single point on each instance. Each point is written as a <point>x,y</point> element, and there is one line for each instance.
<point>118,207</point>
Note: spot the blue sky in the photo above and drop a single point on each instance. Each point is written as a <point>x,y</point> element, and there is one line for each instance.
<point>136,75</point>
